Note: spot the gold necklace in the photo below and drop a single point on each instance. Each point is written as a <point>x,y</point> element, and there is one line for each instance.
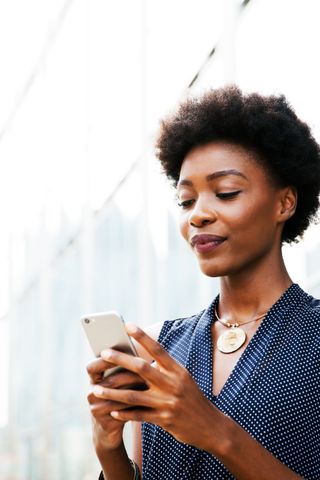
<point>234,337</point>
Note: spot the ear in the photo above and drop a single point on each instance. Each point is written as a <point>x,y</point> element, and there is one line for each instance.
<point>288,203</point>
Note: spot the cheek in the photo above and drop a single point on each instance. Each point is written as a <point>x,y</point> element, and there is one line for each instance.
<point>184,225</point>
<point>253,215</point>
<point>255,227</point>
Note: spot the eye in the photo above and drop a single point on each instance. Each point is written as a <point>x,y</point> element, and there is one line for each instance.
<point>228,195</point>
<point>186,203</point>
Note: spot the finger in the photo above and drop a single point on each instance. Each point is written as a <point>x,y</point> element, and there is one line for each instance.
<point>96,369</point>
<point>153,347</point>
<point>136,415</point>
<point>100,401</point>
<point>129,397</point>
<point>135,364</point>
<point>124,379</point>
<point>102,409</point>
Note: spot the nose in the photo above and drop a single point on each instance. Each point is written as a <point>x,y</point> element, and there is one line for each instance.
<point>202,214</point>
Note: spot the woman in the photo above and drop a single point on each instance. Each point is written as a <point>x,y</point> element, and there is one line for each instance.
<point>234,390</point>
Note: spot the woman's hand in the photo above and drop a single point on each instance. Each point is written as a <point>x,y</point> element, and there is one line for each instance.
<point>107,432</point>
<point>173,399</point>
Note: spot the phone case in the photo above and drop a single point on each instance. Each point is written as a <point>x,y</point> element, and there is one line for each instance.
<point>106,330</point>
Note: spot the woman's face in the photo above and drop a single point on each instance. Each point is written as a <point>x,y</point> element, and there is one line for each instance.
<point>231,213</point>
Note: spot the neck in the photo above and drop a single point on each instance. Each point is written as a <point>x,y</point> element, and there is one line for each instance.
<point>248,294</point>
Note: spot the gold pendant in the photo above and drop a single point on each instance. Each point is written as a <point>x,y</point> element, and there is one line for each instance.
<point>231,340</point>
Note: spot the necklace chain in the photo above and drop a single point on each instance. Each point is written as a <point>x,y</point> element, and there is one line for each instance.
<point>229,324</point>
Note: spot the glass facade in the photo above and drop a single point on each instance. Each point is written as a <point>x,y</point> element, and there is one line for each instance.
<point>91,224</point>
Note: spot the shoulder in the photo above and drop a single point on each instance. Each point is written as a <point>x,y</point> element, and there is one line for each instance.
<point>306,322</point>
<point>177,335</point>
<point>165,331</point>
<point>313,304</point>
<point>160,329</point>
<point>295,299</point>
<point>310,307</point>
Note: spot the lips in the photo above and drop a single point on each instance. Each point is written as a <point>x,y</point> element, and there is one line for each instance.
<point>206,242</point>
<point>206,238</point>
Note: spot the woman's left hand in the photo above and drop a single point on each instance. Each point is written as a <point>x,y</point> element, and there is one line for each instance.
<point>173,400</point>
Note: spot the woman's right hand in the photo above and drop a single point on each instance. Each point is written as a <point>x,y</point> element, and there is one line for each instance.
<point>107,432</point>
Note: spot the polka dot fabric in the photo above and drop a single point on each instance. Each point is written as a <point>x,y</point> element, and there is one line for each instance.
<point>273,392</point>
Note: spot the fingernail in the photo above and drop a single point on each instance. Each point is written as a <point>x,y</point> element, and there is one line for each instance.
<point>114,414</point>
<point>98,390</point>
<point>105,354</point>
<point>131,328</point>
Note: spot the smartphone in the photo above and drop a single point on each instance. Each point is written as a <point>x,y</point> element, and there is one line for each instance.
<point>106,330</point>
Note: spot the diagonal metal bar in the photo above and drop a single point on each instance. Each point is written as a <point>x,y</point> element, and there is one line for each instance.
<point>212,52</point>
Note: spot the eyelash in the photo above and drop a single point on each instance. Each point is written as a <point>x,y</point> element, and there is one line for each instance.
<point>221,196</point>
<point>185,203</point>
<point>228,194</point>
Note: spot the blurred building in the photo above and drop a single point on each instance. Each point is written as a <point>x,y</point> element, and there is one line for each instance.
<point>92,223</point>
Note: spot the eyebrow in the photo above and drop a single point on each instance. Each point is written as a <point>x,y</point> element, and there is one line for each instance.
<point>212,176</point>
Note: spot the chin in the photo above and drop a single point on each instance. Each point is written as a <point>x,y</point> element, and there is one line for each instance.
<point>212,270</point>
<point>215,268</point>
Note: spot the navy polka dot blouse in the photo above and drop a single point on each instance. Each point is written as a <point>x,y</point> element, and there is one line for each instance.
<point>273,392</point>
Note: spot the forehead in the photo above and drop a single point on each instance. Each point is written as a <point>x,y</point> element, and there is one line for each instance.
<point>219,157</point>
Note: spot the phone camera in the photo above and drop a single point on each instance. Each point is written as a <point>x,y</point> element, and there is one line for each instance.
<point>86,320</point>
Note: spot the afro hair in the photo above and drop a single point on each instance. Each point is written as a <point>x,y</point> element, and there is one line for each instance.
<point>266,125</point>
